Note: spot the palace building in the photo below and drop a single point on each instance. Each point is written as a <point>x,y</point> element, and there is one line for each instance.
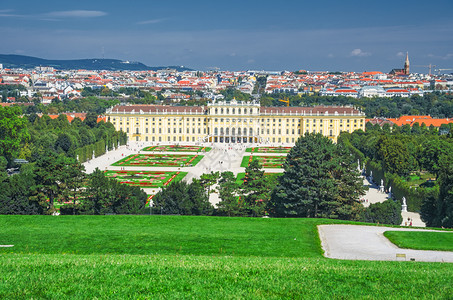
<point>232,122</point>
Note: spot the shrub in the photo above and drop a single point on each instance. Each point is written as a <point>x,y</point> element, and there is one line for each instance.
<point>387,212</point>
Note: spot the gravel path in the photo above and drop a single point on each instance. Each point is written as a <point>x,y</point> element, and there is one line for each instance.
<point>368,243</point>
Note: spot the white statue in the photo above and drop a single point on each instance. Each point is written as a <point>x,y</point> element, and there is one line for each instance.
<point>404,201</point>
<point>390,190</point>
<point>382,182</point>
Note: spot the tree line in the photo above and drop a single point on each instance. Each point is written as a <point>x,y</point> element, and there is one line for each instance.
<point>320,180</point>
<point>52,173</point>
<point>416,162</point>
<point>436,104</point>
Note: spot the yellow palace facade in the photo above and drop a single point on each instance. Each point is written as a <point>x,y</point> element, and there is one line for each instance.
<point>232,122</point>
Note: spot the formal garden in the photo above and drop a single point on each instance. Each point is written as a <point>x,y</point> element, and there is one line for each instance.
<point>177,148</point>
<point>268,149</point>
<point>268,162</point>
<point>159,160</point>
<point>146,179</point>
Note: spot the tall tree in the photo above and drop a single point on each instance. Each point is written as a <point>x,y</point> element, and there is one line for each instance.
<point>439,212</point>
<point>314,182</point>
<point>52,174</point>
<point>395,155</point>
<point>182,199</point>
<point>107,196</point>
<point>432,151</point>
<point>230,204</point>
<point>13,131</point>
<point>255,189</point>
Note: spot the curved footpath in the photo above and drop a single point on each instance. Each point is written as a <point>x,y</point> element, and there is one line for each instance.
<point>358,242</point>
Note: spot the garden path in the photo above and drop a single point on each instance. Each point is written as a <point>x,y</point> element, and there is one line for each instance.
<point>369,243</point>
<point>373,195</point>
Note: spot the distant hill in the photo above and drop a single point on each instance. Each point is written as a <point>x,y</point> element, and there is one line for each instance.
<point>29,62</point>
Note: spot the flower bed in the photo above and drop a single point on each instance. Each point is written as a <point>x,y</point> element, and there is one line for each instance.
<point>146,179</point>
<point>268,149</point>
<point>159,160</point>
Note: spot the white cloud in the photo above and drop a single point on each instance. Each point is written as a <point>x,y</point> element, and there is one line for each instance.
<point>359,53</point>
<point>77,13</point>
<point>8,13</point>
<point>444,57</point>
<point>153,21</point>
<point>400,54</point>
<point>330,55</point>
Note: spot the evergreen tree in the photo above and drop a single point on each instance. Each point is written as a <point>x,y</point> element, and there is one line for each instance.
<point>319,181</point>
<point>255,189</point>
<point>230,204</point>
<point>105,195</point>
<point>180,198</point>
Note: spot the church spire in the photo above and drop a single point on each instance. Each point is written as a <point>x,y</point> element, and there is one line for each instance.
<point>406,64</point>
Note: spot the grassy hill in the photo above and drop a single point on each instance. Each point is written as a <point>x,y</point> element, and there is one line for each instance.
<point>194,257</point>
<point>29,62</point>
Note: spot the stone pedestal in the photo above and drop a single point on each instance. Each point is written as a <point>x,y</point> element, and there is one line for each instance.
<point>404,208</point>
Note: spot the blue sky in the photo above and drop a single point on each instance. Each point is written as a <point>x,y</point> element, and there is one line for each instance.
<point>235,35</point>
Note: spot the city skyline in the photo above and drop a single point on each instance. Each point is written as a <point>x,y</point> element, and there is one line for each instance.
<point>262,35</point>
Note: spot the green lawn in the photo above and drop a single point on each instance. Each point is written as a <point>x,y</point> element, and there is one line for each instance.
<point>240,177</point>
<point>149,257</point>
<point>442,241</point>
<point>269,162</point>
<point>160,235</point>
